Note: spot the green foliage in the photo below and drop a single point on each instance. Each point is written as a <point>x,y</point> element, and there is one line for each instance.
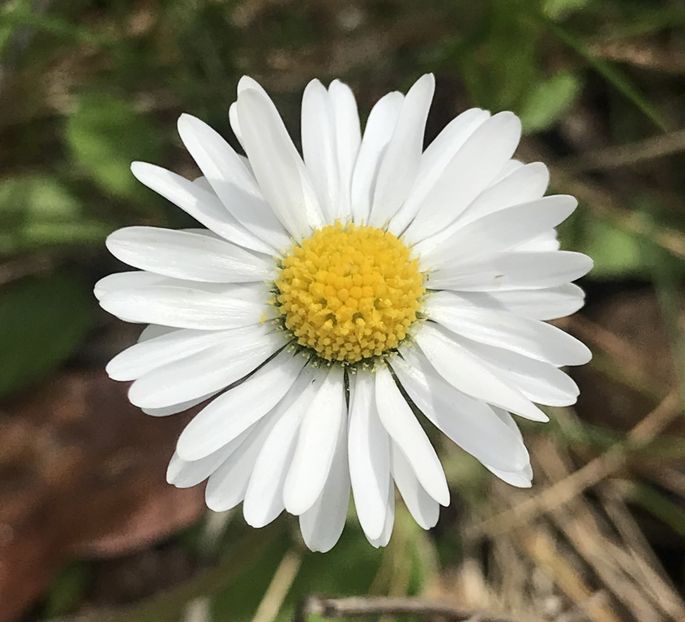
<point>611,74</point>
<point>105,134</point>
<point>560,9</point>
<point>67,590</point>
<point>548,101</point>
<point>616,253</point>
<point>42,322</point>
<point>40,211</point>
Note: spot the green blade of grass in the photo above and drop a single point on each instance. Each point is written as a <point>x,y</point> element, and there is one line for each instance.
<point>610,73</point>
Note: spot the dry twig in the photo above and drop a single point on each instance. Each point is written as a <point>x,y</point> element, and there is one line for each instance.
<point>358,606</point>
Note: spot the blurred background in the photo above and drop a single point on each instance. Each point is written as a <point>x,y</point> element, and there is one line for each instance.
<point>89,530</point>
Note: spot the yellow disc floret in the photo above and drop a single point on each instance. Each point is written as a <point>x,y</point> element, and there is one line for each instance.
<point>349,292</point>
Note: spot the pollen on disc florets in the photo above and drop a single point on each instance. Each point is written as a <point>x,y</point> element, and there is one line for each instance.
<point>349,292</point>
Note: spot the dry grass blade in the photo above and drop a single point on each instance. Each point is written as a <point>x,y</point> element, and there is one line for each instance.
<point>540,546</point>
<point>351,607</point>
<point>587,476</point>
<point>278,588</point>
<point>626,155</point>
<point>645,56</point>
<point>605,554</point>
<point>651,571</point>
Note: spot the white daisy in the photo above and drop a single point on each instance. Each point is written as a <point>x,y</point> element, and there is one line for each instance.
<point>331,291</point>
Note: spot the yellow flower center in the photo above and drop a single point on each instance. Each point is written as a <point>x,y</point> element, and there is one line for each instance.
<point>349,292</point>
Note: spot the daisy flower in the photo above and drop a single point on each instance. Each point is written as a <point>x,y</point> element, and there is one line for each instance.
<point>338,302</point>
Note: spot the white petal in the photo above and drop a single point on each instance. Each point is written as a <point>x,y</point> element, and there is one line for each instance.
<point>244,83</point>
<point>369,456</point>
<point>544,242</point>
<point>319,147</point>
<point>134,279</point>
<point>384,538</point>
<point>523,477</point>
<point>514,270</point>
<point>316,443</point>
<point>184,255</point>
<point>526,183</point>
<point>497,232</point>
<point>202,205</point>
<point>184,474</point>
<point>231,181</point>
<point>520,479</point>
<point>166,411</point>
<point>470,423</point>
<point>347,140</point>
<point>234,121</point>
<point>202,182</point>
<point>400,164</point>
<point>434,161</point>
<point>323,523</point>
<point>510,167</point>
<point>277,166</point>
<point>264,496</point>
<point>531,338</point>
<point>236,410</point>
<point>466,372</point>
<point>540,382</point>
<point>537,304</point>
<point>235,354</point>
<point>402,426</point>
<point>469,172</point>
<point>227,485</point>
<point>420,504</point>
<point>184,306</point>
<point>377,134</point>
<point>154,330</point>
<point>155,351</point>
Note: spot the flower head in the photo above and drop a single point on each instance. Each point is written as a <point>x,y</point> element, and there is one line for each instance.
<point>331,296</point>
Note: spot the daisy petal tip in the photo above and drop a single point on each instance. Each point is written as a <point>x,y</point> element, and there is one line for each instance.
<point>320,548</point>
<point>252,519</point>
<point>186,451</point>
<point>584,356</point>
<point>374,531</point>
<point>142,170</point>
<point>136,399</point>
<point>112,372</point>
<point>171,474</point>
<point>214,503</point>
<point>523,483</point>
<point>427,81</point>
<point>185,122</point>
<point>247,83</point>
<point>295,503</point>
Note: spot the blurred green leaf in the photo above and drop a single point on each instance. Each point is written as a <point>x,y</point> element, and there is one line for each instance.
<point>37,210</point>
<point>616,253</point>
<point>19,14</point>
<point>105,134</point>
<point>67,590</point>
<point>548,101</point>
<point>42,322</point>
<point>560,9</point>
<point>500,63</point>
